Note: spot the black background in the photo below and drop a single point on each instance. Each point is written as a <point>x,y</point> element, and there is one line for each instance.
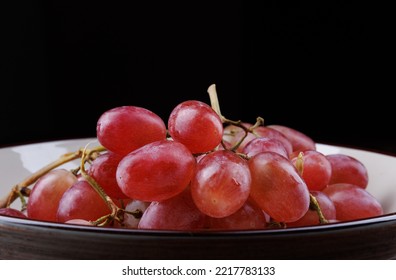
<point>323,69</point>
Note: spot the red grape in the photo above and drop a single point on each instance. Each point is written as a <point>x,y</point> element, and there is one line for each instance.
<point>11,212</point>
<point>353,202</point>
<point>316,169</point>
<point>47,192</point>
<point>176,213</point>
<point>127,128</point>
<point>266,131</point>
<point>196,125</point>
<point>264,144</point>
<point>221,184</point>
<point>81,201</point>
<point>249,216</point>
<point>156,171</point>
<point>299,140</point>
<point>311,217</point>
<point>347,169</point>
<point>103,171</point>
<point>277,187</point>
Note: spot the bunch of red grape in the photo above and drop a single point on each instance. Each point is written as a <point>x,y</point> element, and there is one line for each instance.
<point>201,171</point>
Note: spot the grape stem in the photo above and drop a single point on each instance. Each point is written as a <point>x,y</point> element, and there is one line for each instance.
<point>314,205</point>
<point>214,102</point>
<point>116,212</point>
<point>21,189</point>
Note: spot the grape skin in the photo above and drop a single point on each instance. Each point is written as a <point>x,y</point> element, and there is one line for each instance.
<point>311,218</point>
<point>352,202</point>
<point>191,118</point>
<point>127,128</point>
<point>264,144</point>
<point>249,216</point>
<point>277,187</point>
<point>300,141</point>
<point>81,201</point>
<point>316,169</point>
<point>156,171</point>
<point>221,184</point>
<point>103,169</point>
<point>347,169</point>
<point>176,213</point>
<point>47,192</point>
<point>11,212</point>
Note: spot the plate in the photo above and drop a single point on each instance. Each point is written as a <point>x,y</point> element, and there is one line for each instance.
<point>373,238</point>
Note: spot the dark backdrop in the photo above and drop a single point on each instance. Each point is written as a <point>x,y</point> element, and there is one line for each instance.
<point>320,68</point>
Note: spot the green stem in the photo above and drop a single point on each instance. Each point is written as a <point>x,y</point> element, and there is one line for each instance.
<point>113,207</point>
<point>31,179</point>
<point>315,206</point>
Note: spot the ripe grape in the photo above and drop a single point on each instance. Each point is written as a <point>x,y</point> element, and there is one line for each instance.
<point>311,217</point>
<point>352,202</point>
<point>81,201</point>
<point>103,171</point>
<point>12,212</point>
<point>176,213</point>
<point>299,140</point>
<point>249,216</point>
<point>347,169</point>
<point>221,184</point>
<point>156,171</point>
<point>196,125</point>
<point>266,131</point>
<point>316,169</point>
<point>264,144</point>
<point>47,192</point>
<point>277,187</point>
<point>127,128</point>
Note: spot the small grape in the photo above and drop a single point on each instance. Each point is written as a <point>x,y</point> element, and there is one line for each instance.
<point>311,218</point>
<point>47,192</point>
<point>176,213</point>
<point>81,201</point>
<point>103,171</point>
<point>12,212</point>
<point>196,125</point>
<point>127,128</point>
<point>347,169</point>
<point>156,171</point>
<point>300,141</point>
<point>277,187</point>
<point>352,202</point>
<point>249,216</point>
<point>316,169</point>
<point>221,184</point>
<point>264,144</point>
